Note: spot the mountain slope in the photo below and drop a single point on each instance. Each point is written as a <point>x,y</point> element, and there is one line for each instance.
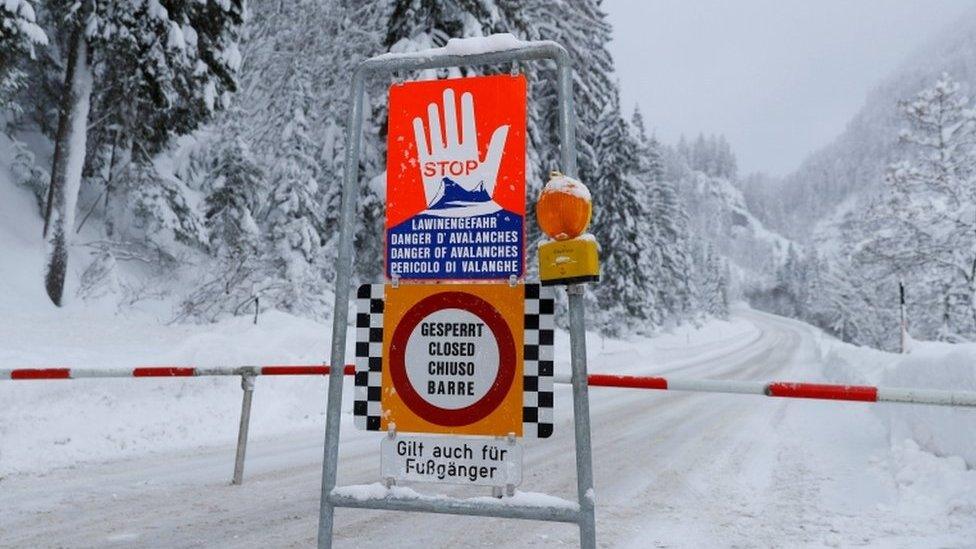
<point>719,213</point>
<point>835,179</point>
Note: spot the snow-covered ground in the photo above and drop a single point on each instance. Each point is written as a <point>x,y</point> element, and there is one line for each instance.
<point>147,462</point>
<point>124,462</point>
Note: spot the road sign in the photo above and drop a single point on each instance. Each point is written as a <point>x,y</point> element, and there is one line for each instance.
<point>456,198</point>
<point>472,359</point>
<point>452,174</point>
<point>453,359</point>
<point>452,459</point>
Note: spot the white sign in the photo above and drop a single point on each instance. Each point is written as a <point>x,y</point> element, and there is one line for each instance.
<point>452,459</point>
<point>452,358</point>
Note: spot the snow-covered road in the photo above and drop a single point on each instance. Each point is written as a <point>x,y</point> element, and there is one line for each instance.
<point>672,470</point>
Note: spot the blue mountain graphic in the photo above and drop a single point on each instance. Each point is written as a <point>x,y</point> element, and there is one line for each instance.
<point>455,195</point>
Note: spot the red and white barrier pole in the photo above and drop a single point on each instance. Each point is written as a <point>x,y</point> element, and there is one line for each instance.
<point>927,396</point>
<point>785,389</point>
<point>782,389</point>
<point>168,371</point>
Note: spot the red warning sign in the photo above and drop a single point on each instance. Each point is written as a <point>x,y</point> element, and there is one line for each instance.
<point>455,186</point>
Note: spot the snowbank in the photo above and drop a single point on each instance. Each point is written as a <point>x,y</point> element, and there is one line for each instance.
<point>22,263</point>
<point>928,485</point>
<point>942,430</point>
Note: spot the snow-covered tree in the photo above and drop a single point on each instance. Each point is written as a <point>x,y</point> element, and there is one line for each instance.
<point>672,235</point>
<point>650,159</point>
<point>853,306</point>
<point>237,271</point>
<point>159,205</point>
<point>69,156</point>
<point>711,155</point>
<point>581,26</point>
<point>292,114</point>
<point>366,22</point>
<point>713,286</point>
<point>669,260</point>
<point>925,224</point>
<point>231,205</point>
<point>423,24</point>
<point>790,280</point>
<point>621,226</point>
<point>293,219</point>
<point>156,69</point>
<point>19,36</point>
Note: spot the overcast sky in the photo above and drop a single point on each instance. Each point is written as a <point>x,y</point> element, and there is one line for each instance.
<point>780,78</point>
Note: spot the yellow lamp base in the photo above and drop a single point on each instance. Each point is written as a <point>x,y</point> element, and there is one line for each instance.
<point>563,262</point>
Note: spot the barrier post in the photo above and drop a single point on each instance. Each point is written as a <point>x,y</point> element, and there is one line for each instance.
<point>247,384</point>
<point>904,317</point>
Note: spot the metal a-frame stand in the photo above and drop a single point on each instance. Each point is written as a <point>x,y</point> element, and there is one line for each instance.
<point>583,513</point>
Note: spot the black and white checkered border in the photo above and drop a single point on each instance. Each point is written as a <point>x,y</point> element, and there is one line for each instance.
<point>540,330</point>
<point>366,406</point>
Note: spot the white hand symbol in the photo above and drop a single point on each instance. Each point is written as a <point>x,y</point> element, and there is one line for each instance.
<point>456,156</point>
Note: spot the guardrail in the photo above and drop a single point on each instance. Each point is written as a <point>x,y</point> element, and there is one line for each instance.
<point>779,389</point>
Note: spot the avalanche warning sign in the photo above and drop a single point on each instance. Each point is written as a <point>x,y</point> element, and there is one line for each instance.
<point>455,187</point>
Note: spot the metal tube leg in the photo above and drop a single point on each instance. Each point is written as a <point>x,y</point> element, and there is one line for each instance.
<point>581,414</point>
<point>340,313</point>
<point>247,384</point>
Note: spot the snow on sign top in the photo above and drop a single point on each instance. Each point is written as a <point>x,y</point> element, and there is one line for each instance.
<point>455,188</point>
<point>466,46</point>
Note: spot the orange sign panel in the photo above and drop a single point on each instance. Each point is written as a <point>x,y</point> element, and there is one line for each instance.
<point>453,359</point>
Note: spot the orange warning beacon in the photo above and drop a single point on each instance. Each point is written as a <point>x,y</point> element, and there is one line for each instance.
<point>564,210</point>
<point>564,207</point>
